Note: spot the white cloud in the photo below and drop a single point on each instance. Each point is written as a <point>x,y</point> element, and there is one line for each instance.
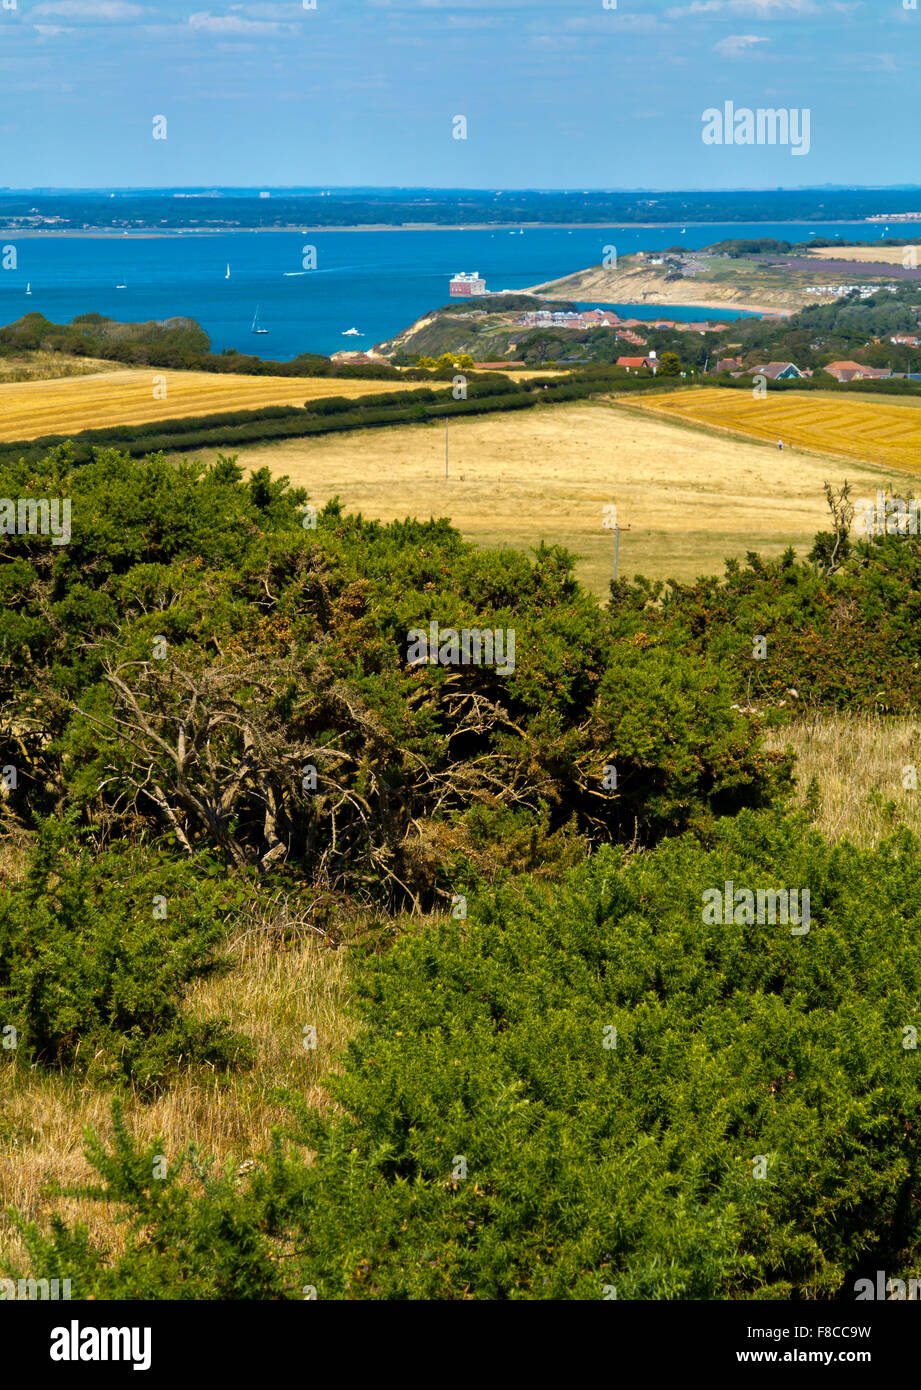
<point>736,44</point>
<point>51,31</point>
<point>755,9</point>
<point>103,11</point>
<point>231,25</point>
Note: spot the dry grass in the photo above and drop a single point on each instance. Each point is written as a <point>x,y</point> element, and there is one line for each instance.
<point>42,366</point>
<point>270,995</point>
<point>858,762</point>
<point>887,432</point>
<point>547,473</point>
<point>136,395</point>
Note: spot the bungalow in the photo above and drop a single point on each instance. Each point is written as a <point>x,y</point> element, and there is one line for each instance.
<point>856,371</point>
<point>844,371</point>
<point>600,318</point>
<point>779,371</point>
<point>634,364</point>
<point>728,364</point>
<point>904,340</point>
<point>627,335</point>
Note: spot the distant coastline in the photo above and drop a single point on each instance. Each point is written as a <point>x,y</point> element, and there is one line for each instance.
<point>148,233</point>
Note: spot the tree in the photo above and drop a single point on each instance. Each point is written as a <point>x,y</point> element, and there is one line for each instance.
<point>669,364</point>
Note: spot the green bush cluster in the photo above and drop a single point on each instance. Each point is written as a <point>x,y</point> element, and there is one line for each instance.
<point>582,1084</point>
<point>294,646</point>
<point>842,636</point>
<point>97,951</point>
<point>587,1088</point>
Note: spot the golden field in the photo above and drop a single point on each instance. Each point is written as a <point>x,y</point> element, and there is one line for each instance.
<point>884,431</point>
<point>132,396</point>
<point>888,255</point>
<point>547,473</point>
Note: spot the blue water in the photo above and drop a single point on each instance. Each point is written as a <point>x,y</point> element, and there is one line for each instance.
<point>377,282</point>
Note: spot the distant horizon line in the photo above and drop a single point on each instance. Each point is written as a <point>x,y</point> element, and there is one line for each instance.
<point>256,189</point>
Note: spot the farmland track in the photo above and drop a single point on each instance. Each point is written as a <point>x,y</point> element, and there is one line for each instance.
<point>30,409</point>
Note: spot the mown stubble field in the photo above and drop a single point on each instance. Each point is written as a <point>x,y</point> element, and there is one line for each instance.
<point>132,396</point>
<point>880,430</point>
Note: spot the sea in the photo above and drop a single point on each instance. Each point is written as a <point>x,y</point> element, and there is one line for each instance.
<point>373,282</point>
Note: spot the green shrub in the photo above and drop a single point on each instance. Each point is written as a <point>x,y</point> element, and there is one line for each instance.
<point>636,1166</point>
<point>640,1099</point>
<point>845,638</point>
<point>96,954</point>
<point>287,648</point>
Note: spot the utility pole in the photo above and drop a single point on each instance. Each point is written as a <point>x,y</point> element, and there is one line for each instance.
<point>617,531</point>
<point>446,446</point>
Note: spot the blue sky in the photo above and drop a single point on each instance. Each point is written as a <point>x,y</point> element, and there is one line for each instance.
<point>556,93</point>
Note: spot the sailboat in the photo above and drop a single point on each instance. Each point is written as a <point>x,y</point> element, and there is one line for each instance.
<point>29,287</point>
<point>122,286</point>
<point>227,276</point>
<point>255,328</point>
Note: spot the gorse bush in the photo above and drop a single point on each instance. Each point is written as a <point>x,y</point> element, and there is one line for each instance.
<point>586,1083</point>
<point>590,1087</point>
<point>842,640</point>
<point>192,1233</point>
<point>96,954</point>
<point>194,652</point>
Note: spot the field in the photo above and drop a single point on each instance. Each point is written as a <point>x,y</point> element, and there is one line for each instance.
<point>890,255</point>
<point>548,474</point>
<point>883,431</point>
<point>861,798</point>
<point>30,409</point>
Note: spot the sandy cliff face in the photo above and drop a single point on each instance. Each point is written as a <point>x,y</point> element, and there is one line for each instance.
<point>738,287</point>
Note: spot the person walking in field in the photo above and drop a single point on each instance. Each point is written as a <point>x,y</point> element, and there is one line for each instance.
<point>780,443</point>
